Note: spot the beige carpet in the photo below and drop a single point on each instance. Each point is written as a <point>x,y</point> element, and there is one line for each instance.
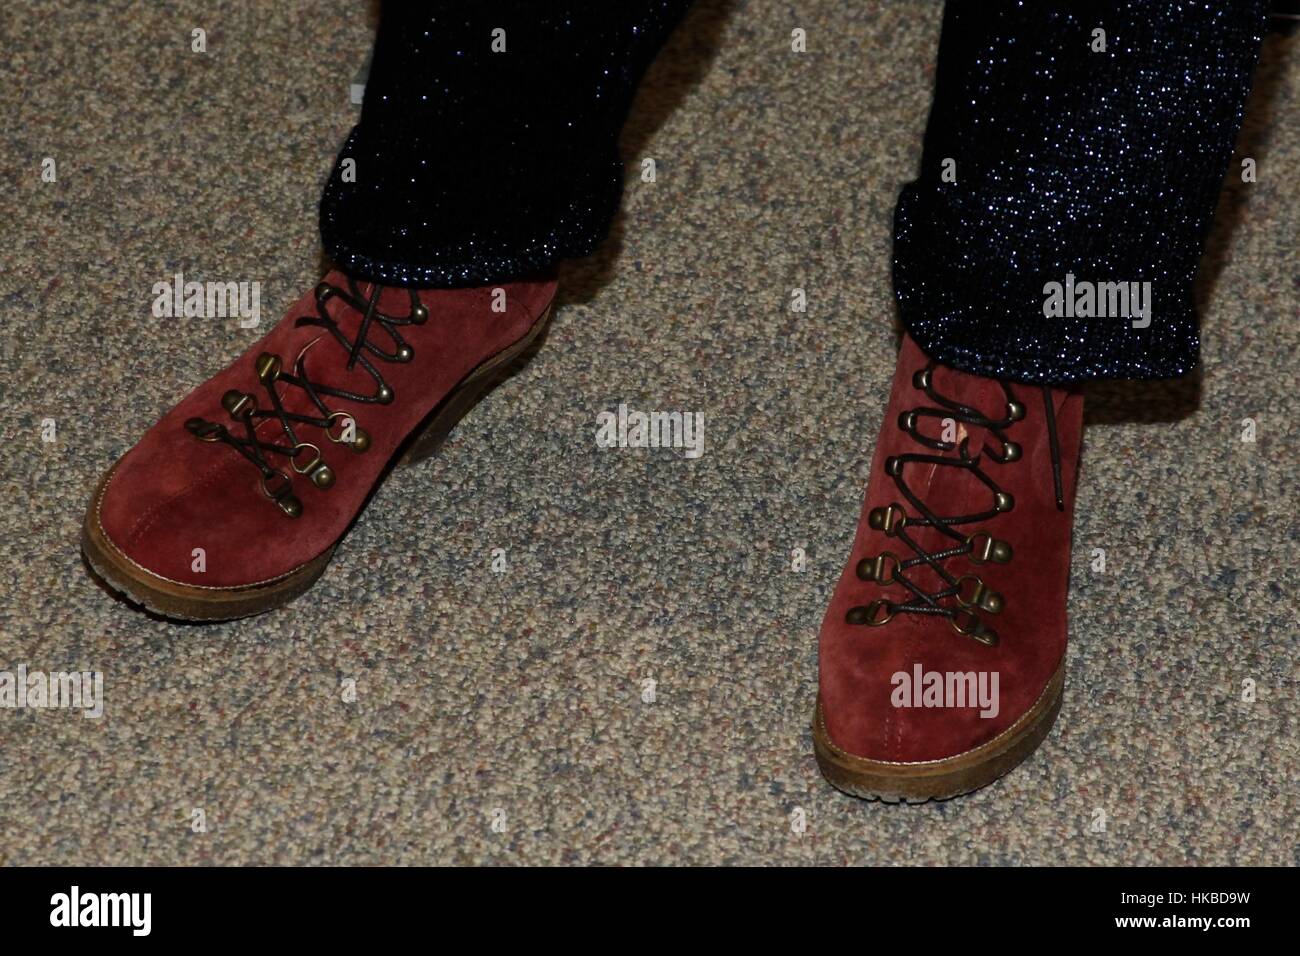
<point>516,698</point>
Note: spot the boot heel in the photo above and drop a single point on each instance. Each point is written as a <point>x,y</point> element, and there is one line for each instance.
<point>468,393</point>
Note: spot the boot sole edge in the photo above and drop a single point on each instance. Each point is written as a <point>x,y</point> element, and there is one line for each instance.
<point>943,779</point>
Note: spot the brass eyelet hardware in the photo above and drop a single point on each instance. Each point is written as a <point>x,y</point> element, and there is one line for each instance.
<point>870,615</point>
<point>268,368</point>
<point>984,548</point>
<point>205,430</point>
<point>320,474</point>
<point>978,595</point>
<point>888,520</point>
<point>278,486</point>
<point>361,438</point>
<point>969,625</point>
<point>238,404</point>
<point>877,569</point>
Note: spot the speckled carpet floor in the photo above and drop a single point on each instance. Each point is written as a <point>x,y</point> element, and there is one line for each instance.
<point>499,718</point>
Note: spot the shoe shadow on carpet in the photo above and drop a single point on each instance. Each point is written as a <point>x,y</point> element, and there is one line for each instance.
<point>679,67</point>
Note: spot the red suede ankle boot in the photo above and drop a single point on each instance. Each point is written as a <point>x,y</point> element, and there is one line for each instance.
<point>942,654</point>
<point>233,503</point>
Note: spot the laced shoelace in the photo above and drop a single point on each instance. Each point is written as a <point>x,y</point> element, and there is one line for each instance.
<point>968,592</point>
<point>304,457</point>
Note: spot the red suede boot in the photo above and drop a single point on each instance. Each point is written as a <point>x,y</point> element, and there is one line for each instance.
<point>265,466</point>
<point>942,652</point>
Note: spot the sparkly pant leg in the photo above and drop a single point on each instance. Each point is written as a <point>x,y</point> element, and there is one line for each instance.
<point>1071,161</point>
<point>487,146</point>
<point>1068,163</point>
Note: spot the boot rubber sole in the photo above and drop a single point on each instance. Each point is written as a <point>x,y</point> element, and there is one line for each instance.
<point>920,781</point>
<point>186,602</point>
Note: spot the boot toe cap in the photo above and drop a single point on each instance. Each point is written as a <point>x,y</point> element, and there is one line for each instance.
<point>912,690</point>
<point>190,515</point>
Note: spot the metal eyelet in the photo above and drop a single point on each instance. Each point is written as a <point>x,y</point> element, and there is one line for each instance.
<point>984,548</point>
<point>320,474</point>
<point>361,438</point>
<point>268,368</point>
<point>276,484</point>
<point>874,569</point>
<point>205,430</point>
<point>888,520</point>
<point>238,404</point>
<point>969,625</point>
<point>981,595</point>
<point>869,615</point>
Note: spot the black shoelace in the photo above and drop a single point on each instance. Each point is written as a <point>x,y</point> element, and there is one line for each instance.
<point>305,457</point>
<point>968,592</point>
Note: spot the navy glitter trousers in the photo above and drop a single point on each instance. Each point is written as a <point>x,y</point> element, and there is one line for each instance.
<point>1071,166</point>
